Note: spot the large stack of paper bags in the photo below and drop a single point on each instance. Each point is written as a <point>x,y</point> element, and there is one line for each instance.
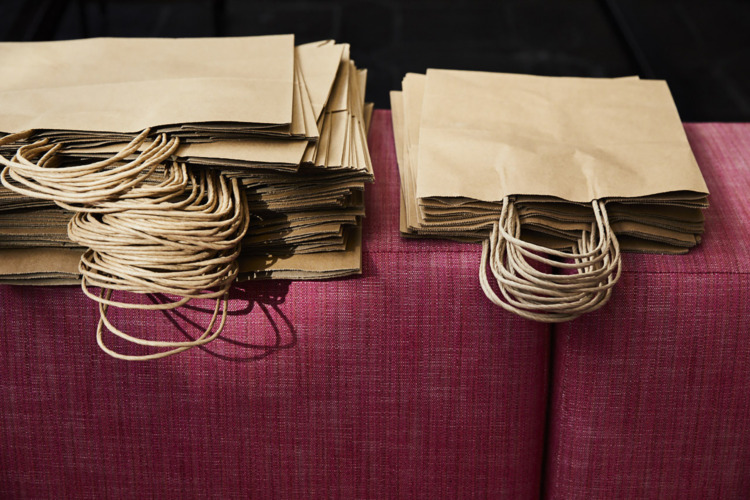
<point>178,166</point>
<point>289,123</point>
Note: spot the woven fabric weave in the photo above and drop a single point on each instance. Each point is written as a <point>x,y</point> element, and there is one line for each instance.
<point>651,394</point>
<point>403,382</point>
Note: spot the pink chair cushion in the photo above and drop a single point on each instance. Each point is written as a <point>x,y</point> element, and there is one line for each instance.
<point>403,382</point>
<point>651,394</point>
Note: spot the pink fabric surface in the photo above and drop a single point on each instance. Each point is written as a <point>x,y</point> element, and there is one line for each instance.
<point>404,382</point>
<point>651,395</point>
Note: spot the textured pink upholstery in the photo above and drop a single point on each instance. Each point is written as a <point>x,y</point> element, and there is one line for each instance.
<point>651,395</point>
<point>404,382</point>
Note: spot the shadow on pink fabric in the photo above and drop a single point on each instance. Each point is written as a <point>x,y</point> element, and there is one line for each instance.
<point>651,395</point>
<point>402,382</point>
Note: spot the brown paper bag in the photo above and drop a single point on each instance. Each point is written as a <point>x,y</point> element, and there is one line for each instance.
<point>578,139</point>
<point>270,168</point>
<point>126,85</point>
<point>479,144</point>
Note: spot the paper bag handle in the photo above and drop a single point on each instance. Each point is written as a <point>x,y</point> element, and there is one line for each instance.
<point>177,347</point>
<point>77,187</point>
<point>143,258</point>
<point>548,296</point>
<point>180,235</point>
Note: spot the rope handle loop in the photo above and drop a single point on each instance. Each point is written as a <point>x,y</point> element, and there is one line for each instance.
<point>149,225</point>
<point>548,296</point>
<point>175,347</point>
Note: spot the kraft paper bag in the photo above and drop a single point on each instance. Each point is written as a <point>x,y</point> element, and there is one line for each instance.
<point>40,266</point>
<point>240,153</point>
<point>256,153</point>
<point>292,207</point>
<point>254,165</point>
<point>546,155</point>
<point>322,265</point>
<point>428,212</point>
<point>319,62</point>
<point>322,61</point>
<point>406,108</point>
<point>578,139</point>
<point>126,85</point>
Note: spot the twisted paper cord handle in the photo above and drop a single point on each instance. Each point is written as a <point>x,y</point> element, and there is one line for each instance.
<point>546,296</point>
<point>149,226</point>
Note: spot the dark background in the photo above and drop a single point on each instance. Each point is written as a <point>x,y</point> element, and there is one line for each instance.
<point>702,48</point>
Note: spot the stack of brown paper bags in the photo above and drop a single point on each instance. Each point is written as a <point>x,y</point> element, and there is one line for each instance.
<point>466,140</point>
<point>289,122</point>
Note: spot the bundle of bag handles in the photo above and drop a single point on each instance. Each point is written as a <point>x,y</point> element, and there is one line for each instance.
<point>578,282</point>
<point>152,225</point>
<point>148,223</point>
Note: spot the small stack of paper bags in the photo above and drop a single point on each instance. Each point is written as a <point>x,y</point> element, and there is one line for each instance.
<point>540,164</point>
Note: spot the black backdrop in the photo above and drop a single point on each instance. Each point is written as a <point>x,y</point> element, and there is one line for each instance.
<point>701,48</point>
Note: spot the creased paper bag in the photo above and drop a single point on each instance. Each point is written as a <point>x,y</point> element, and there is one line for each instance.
<point>531,152</point>
<point>490,135</point>
<point>126,85</point>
